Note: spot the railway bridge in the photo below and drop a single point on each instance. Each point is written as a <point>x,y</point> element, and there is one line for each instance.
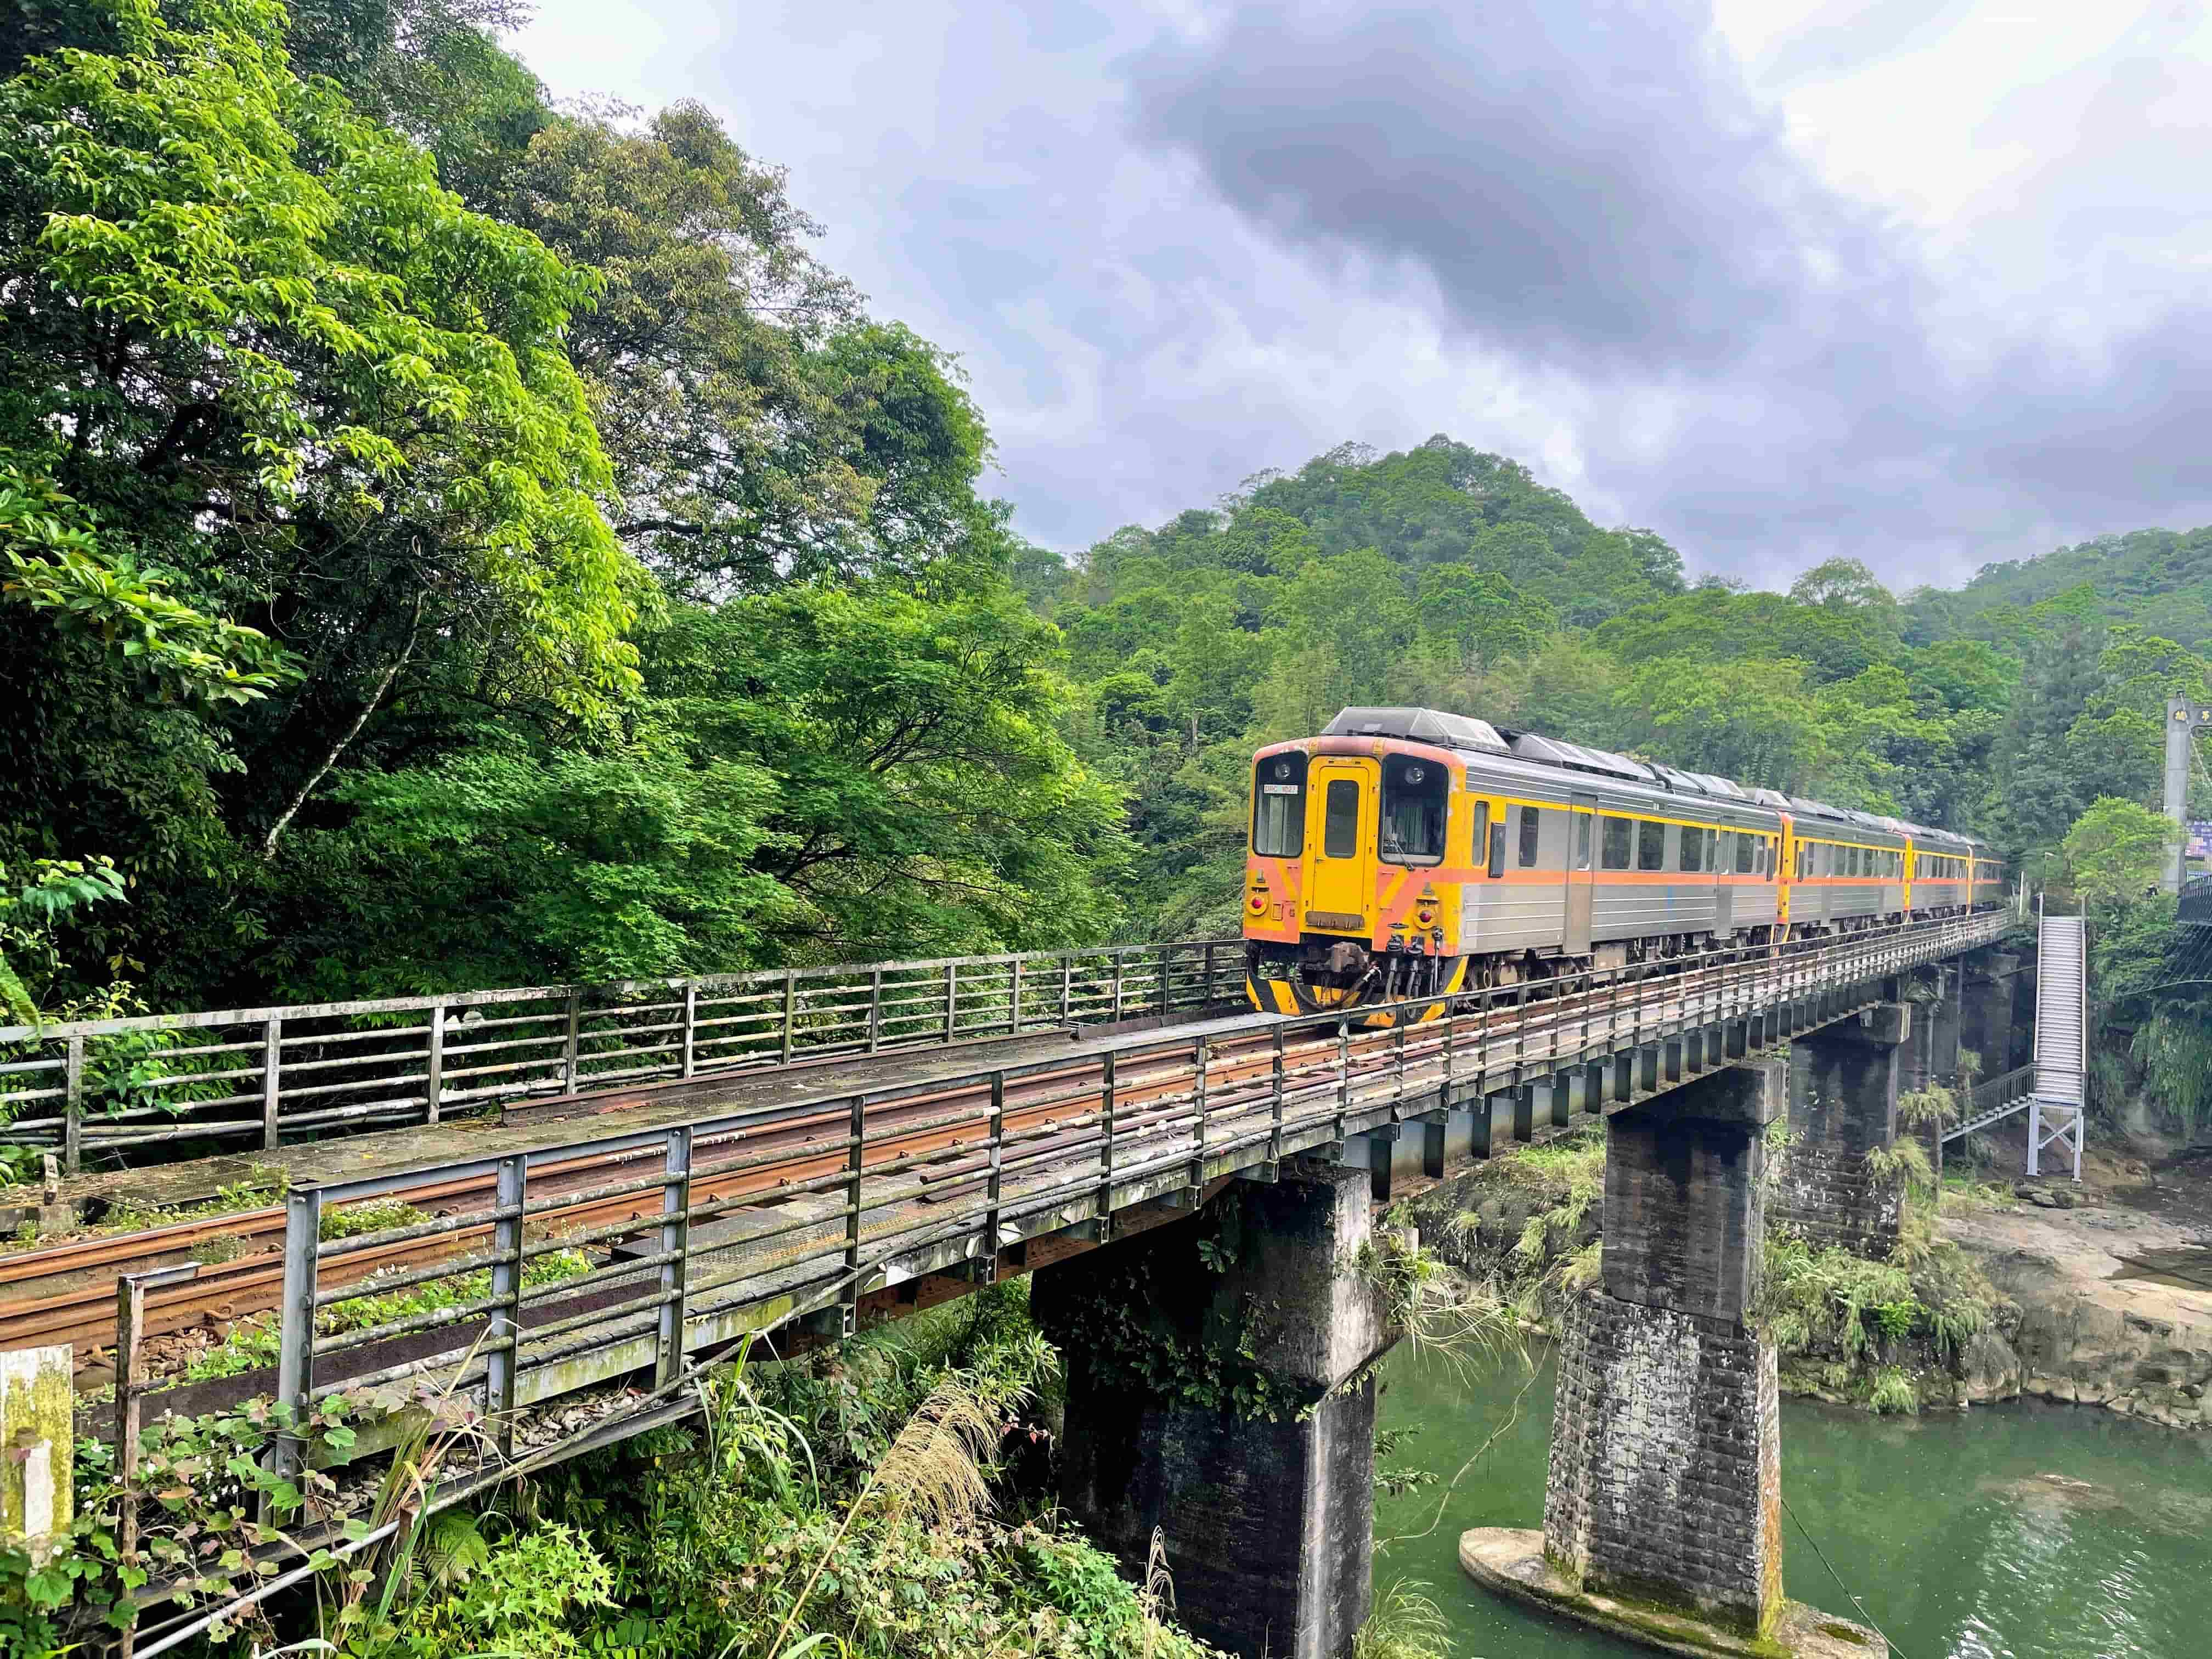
<point>777,1157</point>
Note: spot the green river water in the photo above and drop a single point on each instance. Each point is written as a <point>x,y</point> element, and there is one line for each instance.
<point>2018,1532</point>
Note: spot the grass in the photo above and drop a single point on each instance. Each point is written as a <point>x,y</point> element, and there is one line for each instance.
<point>265,1186</point>
<point>252,1343</point>
<point>376,1215</point>
<point>1403,1623</point>
<point>1820,1297</point>
<point>1891,1393</point>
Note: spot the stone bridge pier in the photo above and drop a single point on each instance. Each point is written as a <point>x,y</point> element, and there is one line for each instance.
<point>1991,1024</point>
<point>1219,1389</point>
<point>1844,1085</point>
<point>1665,1485</point>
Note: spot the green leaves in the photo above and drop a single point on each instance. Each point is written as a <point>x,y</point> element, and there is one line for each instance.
<point>259,320</point>
<point>2115,851</point>
<point>57,565</point>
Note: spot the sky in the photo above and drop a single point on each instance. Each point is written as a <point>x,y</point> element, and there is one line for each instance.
<point>1925,282</point>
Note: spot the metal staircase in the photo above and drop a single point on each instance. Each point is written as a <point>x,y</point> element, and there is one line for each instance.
<point>2061,1044</point>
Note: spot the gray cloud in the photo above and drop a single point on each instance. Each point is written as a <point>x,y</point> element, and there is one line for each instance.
<point>1599,185</point>
<point>1568,231</point>
<point>1597,191</point>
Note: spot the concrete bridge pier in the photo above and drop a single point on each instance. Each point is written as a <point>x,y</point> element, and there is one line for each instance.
<point>1987,1026</point>
<point>1844,1084</point>
<point>1665,1483</point>
<point>1931,1055</point>
<point>1217,1390</point>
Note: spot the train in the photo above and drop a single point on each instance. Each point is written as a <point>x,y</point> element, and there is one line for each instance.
<point>1407,854</point>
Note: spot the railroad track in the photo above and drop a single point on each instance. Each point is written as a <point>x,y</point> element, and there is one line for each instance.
<point>938,1134</point>
<point>84,1314</point>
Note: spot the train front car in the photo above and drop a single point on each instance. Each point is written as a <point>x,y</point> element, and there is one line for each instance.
<point>1358,847</point>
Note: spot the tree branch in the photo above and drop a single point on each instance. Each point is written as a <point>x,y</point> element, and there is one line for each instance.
<point>300,800</point>
<point>669,526</point>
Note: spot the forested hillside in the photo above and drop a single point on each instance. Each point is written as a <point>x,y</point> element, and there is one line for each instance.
<point>1449,577</point>
<point>452,540</point>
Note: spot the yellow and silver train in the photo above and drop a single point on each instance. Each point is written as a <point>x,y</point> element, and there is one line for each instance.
<point>1409,853</point>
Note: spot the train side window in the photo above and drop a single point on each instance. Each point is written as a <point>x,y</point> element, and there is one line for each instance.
<point>1582,840</point>
<point>1532,822</point>
<point>1613,852</point>
<point>1479,839</point>
<point>1650,845</point>
<point>1851,861</point>
<point>1340,835</point>
<point>1746,853</point>
<point>1693,848</point>
<point>1498,846</point>
<point>1279,807</point>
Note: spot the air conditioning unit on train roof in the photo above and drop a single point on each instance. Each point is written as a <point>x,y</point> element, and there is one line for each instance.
<point>1684,782</point>
<point>1717,784</point>
<point>1771,798</point>
<point>1557,751</point>
<point>1446,730</point>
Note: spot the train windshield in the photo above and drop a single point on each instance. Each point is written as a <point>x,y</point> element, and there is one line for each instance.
<point>1279,807</point>
<point>1415,793</point>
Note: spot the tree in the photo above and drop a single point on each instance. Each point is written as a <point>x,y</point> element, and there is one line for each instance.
<point>2116,851</point>
<point>234,302</point>
<point>1481,615</point>
<point>1356,604</point>
<point>760,429</point>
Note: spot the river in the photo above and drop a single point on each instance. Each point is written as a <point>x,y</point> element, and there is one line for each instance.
<point>2019,1532</point>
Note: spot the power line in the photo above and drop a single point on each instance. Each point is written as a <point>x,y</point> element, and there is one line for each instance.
<point>1896,1652</point>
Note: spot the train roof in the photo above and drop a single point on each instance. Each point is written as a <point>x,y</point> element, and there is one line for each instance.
<point>1465,733</point>
<point>1431,726</point>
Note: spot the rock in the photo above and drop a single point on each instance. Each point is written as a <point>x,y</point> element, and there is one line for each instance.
<point>1989,1369</point>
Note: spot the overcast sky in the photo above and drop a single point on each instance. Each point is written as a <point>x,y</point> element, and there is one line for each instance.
<point>1924,281</point>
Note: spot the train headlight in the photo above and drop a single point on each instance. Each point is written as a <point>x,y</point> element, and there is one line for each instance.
<point>1415,773</point>
<point>1282,770</point>
<point>1256,904</point>
<point>1425,917</point>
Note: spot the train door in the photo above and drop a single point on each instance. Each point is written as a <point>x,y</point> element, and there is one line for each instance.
<point>1720,847</point>
<point>1582,836</point>
<point>1784,870</point>
<point>1342,797</point>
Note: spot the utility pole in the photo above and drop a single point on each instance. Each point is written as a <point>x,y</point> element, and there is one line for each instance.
<point>2183,718</point>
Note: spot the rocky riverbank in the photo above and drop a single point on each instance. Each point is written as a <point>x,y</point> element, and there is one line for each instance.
<point>2104,1305</point>
<point>2098,1294</point>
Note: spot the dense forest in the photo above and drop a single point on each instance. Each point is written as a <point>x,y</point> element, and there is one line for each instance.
<point>453,539</point>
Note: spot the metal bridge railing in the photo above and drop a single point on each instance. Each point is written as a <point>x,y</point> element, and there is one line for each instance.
<point>753,1218</point>
<point>2196,907</point>
<point>262,1074</point>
